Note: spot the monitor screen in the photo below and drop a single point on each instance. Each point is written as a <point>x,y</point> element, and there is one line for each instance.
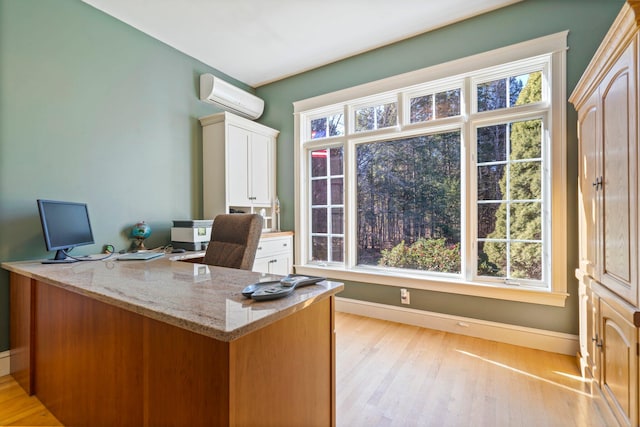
<point>65,225</point>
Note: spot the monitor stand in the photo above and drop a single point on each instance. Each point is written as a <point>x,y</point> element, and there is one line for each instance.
<point>60,258</point>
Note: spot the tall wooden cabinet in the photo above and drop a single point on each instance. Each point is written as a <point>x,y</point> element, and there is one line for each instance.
<point>238,166</point>
<point>606,100</point>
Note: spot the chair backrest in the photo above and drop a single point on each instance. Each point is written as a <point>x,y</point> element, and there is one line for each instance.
<point>234,241</point>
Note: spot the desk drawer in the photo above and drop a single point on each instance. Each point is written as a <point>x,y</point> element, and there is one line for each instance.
<point>274,245</point>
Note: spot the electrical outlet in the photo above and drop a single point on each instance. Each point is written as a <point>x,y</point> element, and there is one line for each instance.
<point>405,296</point>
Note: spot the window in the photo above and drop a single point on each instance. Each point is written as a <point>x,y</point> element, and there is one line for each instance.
<point>327,126</point>
<point>445,182</point>
<point>408,203</point>
<point>509,200</point>
<point>443,104</point>
<point>327,205</point>
<point>376,117</point>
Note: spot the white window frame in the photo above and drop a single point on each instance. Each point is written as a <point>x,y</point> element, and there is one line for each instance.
<point>482,67</point>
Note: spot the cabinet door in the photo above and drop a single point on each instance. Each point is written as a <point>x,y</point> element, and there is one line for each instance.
<point>588,183</point>
<point>237,145</point>
<point>619,189</point>
<point>260,170</point>
<point>619,364</point>
<point>274,256</point>
<point>261,265</point>
<point>276,264</point>
<point>280,264</point>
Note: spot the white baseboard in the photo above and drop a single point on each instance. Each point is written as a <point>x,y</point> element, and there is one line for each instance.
<point>4,363</point>
<point>540,339</point>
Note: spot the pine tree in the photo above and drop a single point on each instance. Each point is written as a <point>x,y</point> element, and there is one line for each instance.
<point>525,184</point>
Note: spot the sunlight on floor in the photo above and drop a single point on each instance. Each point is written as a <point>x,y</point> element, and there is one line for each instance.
<point>527,374</point>
<point>573,377</point>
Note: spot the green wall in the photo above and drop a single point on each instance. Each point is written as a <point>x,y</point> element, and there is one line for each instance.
<point>587,20</point>
<point>92,110</point>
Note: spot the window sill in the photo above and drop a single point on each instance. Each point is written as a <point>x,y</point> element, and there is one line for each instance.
<point>503,292</point>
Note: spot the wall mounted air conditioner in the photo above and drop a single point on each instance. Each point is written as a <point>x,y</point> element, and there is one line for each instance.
<point>230,98</point>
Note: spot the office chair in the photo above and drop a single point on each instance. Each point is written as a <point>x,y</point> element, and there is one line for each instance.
<point>234,241</point>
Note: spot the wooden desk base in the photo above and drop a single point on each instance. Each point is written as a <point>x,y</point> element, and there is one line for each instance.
<point>94,364</point>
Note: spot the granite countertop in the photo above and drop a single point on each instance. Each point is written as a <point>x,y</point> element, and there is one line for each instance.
<point>204,299</point>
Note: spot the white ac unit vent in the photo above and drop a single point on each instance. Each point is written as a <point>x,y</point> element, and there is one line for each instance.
<point>230,98</point>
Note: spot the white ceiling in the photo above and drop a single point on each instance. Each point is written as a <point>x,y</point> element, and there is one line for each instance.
<point>260,41</point>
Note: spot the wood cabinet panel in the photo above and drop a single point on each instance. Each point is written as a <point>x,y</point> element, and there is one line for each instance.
<point>280,376</point>
<point>589,173</point>
<point>87,360</point>
<point>21,331</point>
<point>187,377</point>
<point>618,177</point>
<point>619,364</point>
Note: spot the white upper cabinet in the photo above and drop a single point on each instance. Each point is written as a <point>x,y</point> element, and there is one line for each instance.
<point>238,165</point>
<point>249,167</point>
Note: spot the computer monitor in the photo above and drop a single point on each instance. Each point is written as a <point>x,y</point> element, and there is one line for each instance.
<point>65,225</point>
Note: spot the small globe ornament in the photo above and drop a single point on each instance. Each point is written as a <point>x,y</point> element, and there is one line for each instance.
<point>140,232</point>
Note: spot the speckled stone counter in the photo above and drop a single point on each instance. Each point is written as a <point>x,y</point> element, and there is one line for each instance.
<point>203,299</point>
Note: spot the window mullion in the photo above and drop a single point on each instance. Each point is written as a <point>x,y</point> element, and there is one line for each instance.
<point>351,226</point>
<point>469,211</point>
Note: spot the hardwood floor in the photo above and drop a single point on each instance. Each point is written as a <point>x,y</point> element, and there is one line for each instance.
<point>18,409</point>
<point>389,374</point>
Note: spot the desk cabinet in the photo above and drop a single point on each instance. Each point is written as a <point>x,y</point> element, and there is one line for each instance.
<point>275,254</point>
<point>93,363</point>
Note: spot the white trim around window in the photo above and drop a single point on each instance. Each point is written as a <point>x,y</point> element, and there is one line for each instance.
<point>548,51</point>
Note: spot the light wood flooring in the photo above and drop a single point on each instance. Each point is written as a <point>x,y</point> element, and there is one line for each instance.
<point>390,374</point>
<point>18,409</point>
